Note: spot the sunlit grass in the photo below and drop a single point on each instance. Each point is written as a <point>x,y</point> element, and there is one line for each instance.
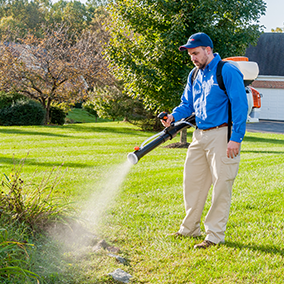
<point>149,205</point>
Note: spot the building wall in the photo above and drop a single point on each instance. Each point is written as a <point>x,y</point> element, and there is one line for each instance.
<point>272,89</point>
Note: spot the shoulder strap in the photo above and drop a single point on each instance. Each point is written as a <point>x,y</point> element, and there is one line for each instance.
<point>194,74</point>
<point>219,75</point>
<point>222,87</point>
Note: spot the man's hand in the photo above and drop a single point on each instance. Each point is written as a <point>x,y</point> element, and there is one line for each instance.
<point>169,120</point>
<point>233,149</point>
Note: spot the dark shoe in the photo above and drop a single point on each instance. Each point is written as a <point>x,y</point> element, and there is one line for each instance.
<point>204,245</point>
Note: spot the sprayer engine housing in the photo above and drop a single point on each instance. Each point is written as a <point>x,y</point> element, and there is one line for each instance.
<point>250,72</point>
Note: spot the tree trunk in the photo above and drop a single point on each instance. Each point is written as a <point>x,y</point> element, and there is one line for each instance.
<point>47,108</point>
<point>183,136</point>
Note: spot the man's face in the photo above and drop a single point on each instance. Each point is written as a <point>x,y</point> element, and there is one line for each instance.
<point>199,56</point>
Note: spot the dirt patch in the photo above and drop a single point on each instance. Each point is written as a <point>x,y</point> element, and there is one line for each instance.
<point>178,145</point>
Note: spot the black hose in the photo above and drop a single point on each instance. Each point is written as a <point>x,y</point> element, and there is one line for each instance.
<point>167,134</point>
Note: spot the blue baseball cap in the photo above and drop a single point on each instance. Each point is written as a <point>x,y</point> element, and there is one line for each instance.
<point>198,39</point>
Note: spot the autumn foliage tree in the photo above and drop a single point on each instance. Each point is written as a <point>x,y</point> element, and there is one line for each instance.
<point>55,68</point>
<point>277,30</point>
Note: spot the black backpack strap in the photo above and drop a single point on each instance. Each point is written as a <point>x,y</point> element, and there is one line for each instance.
<point>194,74</point>
<point>222,87</point>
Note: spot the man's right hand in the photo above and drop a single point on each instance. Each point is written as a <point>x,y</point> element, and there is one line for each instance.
<point>169,120</point>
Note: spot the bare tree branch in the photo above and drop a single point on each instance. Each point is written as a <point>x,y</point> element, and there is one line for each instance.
<point>57,67</point>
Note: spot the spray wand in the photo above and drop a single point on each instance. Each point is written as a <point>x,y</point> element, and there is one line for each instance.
<point>167,134</point>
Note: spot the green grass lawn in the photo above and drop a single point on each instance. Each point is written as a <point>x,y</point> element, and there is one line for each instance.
<point>82,116</point>
<point>138,206</point>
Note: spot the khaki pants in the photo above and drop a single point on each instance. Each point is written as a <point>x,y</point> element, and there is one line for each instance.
<point>206,164</point>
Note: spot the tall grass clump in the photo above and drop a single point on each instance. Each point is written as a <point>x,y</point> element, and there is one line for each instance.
<point>26,209</point>
<point>30,202</point>
<point>14,258</point>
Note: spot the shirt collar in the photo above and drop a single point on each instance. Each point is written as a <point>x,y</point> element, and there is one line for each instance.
<point>213,62</point>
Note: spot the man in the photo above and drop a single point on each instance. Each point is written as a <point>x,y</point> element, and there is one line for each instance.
<point>211,159</point>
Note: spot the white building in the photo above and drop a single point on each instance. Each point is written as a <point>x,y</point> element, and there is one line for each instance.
<point>269,55</point>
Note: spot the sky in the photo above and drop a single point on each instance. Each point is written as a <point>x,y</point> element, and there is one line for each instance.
<point>274,15</point>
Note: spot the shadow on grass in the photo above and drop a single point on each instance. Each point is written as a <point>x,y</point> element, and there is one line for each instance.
<point>263,152</point>
<point>256,247</point>
<point>263,140</point>
<point>77,128</point>
<point>25,132</point>
<point>16,161</point>
<point>107,129</point>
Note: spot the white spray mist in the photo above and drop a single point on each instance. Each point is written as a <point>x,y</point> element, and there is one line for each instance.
<point>103,196</point>
<point>78,236</point>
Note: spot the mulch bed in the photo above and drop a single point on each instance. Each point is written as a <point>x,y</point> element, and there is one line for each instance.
<point>178,145</point>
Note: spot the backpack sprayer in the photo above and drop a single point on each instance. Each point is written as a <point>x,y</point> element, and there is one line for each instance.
<point>167,134</point>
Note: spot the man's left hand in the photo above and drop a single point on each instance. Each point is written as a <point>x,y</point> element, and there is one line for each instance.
<point>233,149</point>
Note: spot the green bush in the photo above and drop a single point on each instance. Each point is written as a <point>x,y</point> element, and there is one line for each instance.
<point>22,112</point>
<point>78,105</point>
<point>7,99</point>
<point>90,108</point>
<point>57,115</point>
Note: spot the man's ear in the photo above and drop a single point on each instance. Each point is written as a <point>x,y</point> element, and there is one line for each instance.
<point>208,50</point>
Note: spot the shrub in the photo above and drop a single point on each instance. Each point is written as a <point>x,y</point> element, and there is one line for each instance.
<point>90,108</point>
<point>22,112</point>
<point>7,99</point>
<point>112,103</point>
<point>57,115</point>
<point>78,105</point>
<point>64,106</point>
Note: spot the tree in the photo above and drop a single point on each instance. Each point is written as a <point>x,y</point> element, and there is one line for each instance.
<point>23,15</point>
<point>30,15</point>
<point>53,68</point>
<point>8,24</point>
<point>111,102</point>
<point>146,35</point>
<point>73,14</point>
<point>277,30</point>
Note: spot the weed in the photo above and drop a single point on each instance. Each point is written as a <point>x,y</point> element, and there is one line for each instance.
<point>32,203</point>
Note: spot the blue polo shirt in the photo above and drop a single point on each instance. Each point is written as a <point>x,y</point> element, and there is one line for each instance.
<point>210,103</point>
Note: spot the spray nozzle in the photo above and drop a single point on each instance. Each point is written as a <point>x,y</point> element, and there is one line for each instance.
<point>132,158</point>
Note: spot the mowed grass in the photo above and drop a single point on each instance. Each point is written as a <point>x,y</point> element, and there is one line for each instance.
<point>149,204</point>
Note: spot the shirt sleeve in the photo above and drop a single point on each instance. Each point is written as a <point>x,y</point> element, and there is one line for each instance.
<point>234,84</point>
<point>185,108</point>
